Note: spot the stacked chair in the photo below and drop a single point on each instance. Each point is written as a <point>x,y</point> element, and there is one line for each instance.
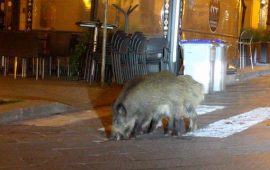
<point>135,55</point>
<point>119,53</point>
<point>157,54</point>
<point>127,56</point>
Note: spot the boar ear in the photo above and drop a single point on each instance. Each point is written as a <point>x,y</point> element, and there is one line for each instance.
<point>121,110</point>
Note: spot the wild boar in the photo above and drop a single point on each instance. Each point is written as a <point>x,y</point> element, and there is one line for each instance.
<point>145,100</point>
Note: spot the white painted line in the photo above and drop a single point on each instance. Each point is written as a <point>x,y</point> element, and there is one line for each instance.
<point>203,109</point>
<point>226,127</point>
<point>101,129</point>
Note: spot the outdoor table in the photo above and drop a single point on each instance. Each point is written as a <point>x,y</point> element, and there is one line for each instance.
<point>96,25</point>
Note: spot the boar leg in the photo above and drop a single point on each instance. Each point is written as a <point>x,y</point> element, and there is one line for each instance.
<point>137,130</point>
<point>191,114</point>
<point>153,125</point>
<point>192,124</point>
<point>193,119</point>
<point>179,127</point>
<point>169,125</point>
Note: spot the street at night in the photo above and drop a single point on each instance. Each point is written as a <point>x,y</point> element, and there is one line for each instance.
<point>77,140</point>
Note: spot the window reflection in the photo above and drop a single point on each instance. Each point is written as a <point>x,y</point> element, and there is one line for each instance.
<point>60,14</point>
<point>146,18</point>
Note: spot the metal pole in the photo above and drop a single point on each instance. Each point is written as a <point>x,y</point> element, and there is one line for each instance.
<point>104,43</point>
<point>173,34</point>
<point>94,10</point>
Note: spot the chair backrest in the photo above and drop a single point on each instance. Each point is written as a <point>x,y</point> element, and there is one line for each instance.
<point>136,39</point>
<point>21,44</point>
<point>246,36</point>
<point>124,45</point>
<point>156,45</point>
<point>59,43</point>
<point>117,37</point>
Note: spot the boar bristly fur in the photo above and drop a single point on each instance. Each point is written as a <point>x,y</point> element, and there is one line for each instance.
<point>145,100</point>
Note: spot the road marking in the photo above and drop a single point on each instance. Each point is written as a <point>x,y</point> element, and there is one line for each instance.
<point>204,109</point>
<point>227,127</point>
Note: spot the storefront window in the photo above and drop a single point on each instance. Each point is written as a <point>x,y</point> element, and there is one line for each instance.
<point>145,18</point>
<point>59,15</point>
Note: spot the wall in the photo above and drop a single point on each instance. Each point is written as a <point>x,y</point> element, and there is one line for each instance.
<point>255,13</point>
<point>147,18</point>
<point>196,23</point>
<point>254,18</point>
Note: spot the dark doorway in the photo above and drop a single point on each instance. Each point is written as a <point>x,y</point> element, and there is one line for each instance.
<point>11,12</point>
<point>15,15</point>
<point>2,14</point>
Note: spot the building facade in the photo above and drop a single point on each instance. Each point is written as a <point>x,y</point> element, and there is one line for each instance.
<point>201,19</point>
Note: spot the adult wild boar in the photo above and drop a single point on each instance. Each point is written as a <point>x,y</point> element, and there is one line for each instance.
<point>145,100</point>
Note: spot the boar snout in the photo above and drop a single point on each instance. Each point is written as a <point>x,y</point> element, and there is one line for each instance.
<point>117,137</point>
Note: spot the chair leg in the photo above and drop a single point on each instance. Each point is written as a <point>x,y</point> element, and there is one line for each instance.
<point>68,72</point>
<point>5,66</point>
<point>244,57</point>
<point>3,61</point>
<point>92,72</point>
<point>43,66</point>
<point>37,68</point>
<point>40,67</point>
<point>15,67</point>
<point>250,53</point>
<point>50,66</point>
<point>25,70</point>
<point>241,57</point>
<point>23,67</point>
<point>58,67</point>
<point>33,66</point>
<point>255,56</point>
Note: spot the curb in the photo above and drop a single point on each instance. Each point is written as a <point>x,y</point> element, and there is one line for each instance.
<point>34,112</point>
<point>243,76</point>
